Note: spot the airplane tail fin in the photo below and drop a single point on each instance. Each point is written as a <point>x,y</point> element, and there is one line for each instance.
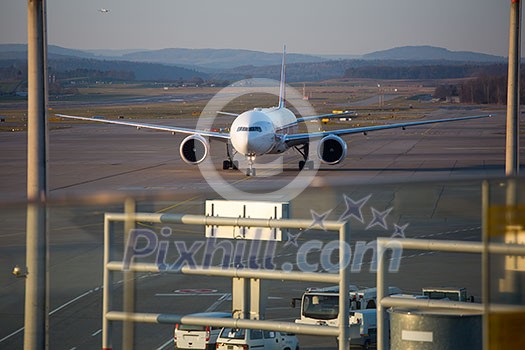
<point>282,90</point>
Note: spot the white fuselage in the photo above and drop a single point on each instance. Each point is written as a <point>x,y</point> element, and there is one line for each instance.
<point>258,131</point>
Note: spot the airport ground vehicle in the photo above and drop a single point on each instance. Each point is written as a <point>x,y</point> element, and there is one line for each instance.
<point>450,293</point>
<point>198,337</point>
<point>321,306</point>
<point>243,339</point>
<point>364,328</point>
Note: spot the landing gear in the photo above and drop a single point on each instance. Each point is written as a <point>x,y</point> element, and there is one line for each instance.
<point>308,164</point>
<point>230,163</point>
<point>251,170</point>
<point>305,163</point>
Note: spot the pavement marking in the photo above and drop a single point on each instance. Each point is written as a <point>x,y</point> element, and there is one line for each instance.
<point>219,301</point>
<point>12,334</point>
<point>196,290</point>
<point>56,310</point>
<point>186,294</point>
<point>165,344</point>
<point>177,204</point>
<point>74,300</point>
<point>96,333</point>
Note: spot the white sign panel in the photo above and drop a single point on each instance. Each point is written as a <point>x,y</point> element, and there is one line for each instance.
<point>246,209</point>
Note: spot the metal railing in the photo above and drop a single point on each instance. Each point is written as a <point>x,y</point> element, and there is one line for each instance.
<point>384,302</point>
<point>111,265</point>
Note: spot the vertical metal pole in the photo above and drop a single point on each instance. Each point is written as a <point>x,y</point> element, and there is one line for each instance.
<point>107,297</point>
<point>382,332</point>
<point>240,298</point>
<point>509,284</point>
<point>36,305</point>
<point>258,298</point>
<point>513,99</point>
<point>485,293</point>
<point>344,302</point>
<point>128,327</point>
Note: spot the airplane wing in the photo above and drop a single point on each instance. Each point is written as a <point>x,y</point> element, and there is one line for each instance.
<point>228,114</point>
<point>297,139</point>
<point>329,115</point>
<point>322,116</point>
<point>172,129</point>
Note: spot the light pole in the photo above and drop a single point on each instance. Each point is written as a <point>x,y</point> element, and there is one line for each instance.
<point>36,300</point>
<point>380,95</point>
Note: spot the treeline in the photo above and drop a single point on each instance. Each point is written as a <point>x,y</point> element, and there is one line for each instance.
<point>121,70</point>
<point>93,75</point>
<point>482,90</point>
<point>487,90</point>
<point>429,71</point>
<point>13,72</point>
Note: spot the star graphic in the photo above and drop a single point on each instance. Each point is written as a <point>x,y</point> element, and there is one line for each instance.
<point>353,208</point>
<point>379,218</point>
<point>318,219</point>
<point>399,231</point>
<point>292,239</point>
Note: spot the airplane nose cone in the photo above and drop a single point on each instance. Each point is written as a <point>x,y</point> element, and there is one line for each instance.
<point>240,143</point>
<point>250,142</point>
<point>250,134</point>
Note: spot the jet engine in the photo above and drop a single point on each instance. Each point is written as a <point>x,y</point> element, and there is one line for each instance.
<point>331,149</point>
<point>193,149</point>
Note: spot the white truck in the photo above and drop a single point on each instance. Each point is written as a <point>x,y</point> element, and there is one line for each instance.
<point>321,307</point>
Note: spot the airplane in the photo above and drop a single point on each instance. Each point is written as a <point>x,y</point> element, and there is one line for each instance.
<point>103,10</point>
<point>271,130</point>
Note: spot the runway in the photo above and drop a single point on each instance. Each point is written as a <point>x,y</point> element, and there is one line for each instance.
<point>427,178</point>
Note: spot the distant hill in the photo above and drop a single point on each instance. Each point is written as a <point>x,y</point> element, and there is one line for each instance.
<point>229,64</point>
<point>413,53</point>
<point>62,60</point>
<point>199,59</point>
<point>20,50</point>
<point>217,58</point>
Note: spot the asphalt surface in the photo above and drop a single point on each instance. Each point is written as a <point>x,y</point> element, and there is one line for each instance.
<point>426,179</point>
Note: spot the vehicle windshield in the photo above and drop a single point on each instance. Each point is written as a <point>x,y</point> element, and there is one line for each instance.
<point>232,333</point>
<point>322,307</point>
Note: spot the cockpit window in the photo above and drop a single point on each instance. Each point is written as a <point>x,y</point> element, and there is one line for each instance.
<point>251,128</point>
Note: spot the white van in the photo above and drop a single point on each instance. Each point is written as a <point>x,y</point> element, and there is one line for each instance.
<point>363,328</point>
<point>198,337</point>
<point>241,339</point>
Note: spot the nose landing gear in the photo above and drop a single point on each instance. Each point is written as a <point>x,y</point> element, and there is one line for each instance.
<point>251,170</point>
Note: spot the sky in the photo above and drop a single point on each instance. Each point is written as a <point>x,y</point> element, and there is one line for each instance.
<point>342,27</point>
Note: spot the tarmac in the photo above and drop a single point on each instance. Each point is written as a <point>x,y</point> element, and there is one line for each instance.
<point>425,181</point>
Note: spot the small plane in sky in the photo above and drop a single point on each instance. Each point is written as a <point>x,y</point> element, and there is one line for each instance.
<point>103,10</point>
<point>272,130</point>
